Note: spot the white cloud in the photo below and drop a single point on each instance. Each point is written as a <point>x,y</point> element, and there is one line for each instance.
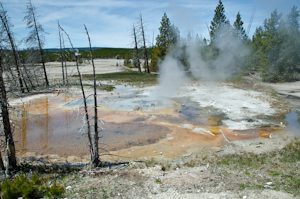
<point>110,21</point>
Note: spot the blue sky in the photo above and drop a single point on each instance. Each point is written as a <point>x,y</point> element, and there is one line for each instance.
<point>110,21</point>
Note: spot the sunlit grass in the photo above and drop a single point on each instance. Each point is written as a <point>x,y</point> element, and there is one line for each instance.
<point>129,77</point>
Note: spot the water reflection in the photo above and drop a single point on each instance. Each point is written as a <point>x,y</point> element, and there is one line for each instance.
<point>41,124</point>
<point>48,128</point>
<point>24,120</point>
<point>293,122</point>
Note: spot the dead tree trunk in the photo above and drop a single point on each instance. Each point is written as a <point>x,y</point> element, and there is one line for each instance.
<point>10,149</point>
<point>28,77</point>
<point>65,60</point>
<point>42,56</point>
<point>6,26</point>
<point>84,98</point>
<point>1,163</point>
<point>36,33</point>
<point>95,161</point>
<point>136,50</point>
<point>24,80</point>
<point>61,55</point>
<point>144,43</point>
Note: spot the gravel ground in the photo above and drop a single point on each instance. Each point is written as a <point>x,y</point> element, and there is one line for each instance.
<point>177,182</point>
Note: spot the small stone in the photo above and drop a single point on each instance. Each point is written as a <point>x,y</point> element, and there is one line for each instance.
<point>268,186</point>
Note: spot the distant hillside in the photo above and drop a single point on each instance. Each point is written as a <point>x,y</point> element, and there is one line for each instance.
<point>69,49</point>
<point>53,54</point>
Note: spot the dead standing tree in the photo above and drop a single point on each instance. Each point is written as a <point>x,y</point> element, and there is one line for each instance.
<point>65,56</point>
<point>61,54</point>
<point>10,146</point>
<point>95,161</point>
<point>6,27</point>
<point>137,58</point>
<point>142,31</point>
<point>87,122</point>
<point>35,36</point>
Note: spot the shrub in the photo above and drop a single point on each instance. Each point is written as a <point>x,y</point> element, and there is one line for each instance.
<point>24,187</point>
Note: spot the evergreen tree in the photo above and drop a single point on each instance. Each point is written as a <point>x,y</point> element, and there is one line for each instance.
<point>168,36</point>
<point>238,29</point>
<point>276,47</point>
<point>220,25</point>
<point>293,21</point>
<point>289,58</point>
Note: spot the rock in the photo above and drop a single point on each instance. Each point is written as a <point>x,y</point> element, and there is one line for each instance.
<point>268,186</point>
<point>71,158</point>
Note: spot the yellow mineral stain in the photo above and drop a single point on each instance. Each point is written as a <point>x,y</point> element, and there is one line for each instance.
<point>47,128</point>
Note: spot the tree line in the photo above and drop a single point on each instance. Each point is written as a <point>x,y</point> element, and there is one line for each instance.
<point>273,49</point>
<point>102,53</point>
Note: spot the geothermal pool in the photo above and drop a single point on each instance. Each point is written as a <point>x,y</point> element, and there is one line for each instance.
<point>140,122</point>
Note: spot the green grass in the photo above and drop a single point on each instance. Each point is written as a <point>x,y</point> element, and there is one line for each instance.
<point>236,79</point>
<point>278,165</point>
<point>129,77</point>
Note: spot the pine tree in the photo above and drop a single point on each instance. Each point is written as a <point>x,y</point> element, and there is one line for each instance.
<point>293,21</point>
<point>163,39</point>
<point>168,36</point>
<point>276,47</point>
<point>289,57</point>
<point>220,25</point>
<point>238,29</point>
